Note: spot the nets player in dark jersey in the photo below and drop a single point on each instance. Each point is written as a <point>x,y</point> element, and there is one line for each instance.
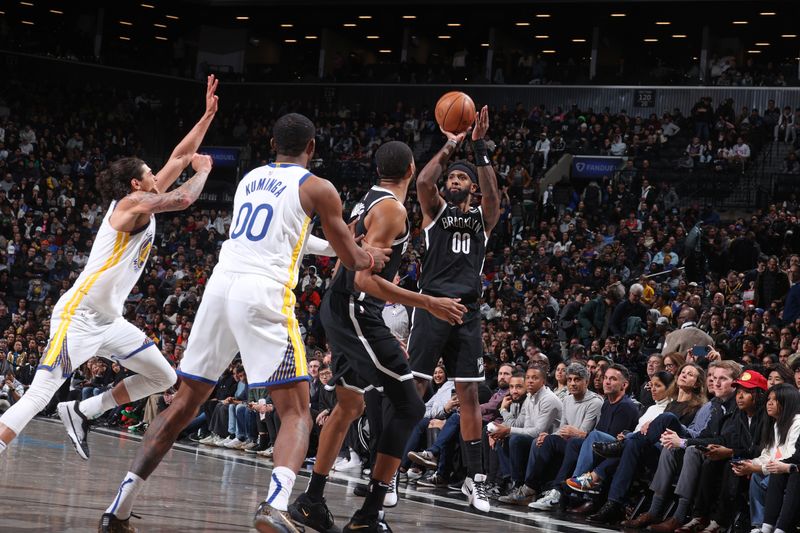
<point>455,237</point>
<point>366,354</point>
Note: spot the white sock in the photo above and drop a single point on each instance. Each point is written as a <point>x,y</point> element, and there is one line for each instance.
<point>3,447</point>
<point>128,490</point>
<point>97,405</point>
<point>280,488</point>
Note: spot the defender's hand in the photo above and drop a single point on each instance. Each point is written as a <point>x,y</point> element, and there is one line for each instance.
<point>447,309</point>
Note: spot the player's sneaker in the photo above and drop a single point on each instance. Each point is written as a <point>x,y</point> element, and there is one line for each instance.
<point>475,491</point>
<point>111,524</point>
<point>270,520</point>
<point>315,515</point>
<point>390,498</point>
<point>77,426</point>
<point>366,524</point>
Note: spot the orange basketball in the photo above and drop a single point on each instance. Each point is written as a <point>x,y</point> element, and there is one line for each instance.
<point>455,112</point>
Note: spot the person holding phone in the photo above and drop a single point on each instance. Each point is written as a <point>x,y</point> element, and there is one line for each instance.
<point>687,335</point>
<point>706,463</point>
<point>780,441</point>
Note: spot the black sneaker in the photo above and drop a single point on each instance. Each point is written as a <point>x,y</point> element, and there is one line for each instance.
<point>262,446</point>
<point>111,524</point>
<point>315,515</point>
<point>270,520</point>
<point>367,524</point>
<point>77,426</point>
<point>360,490</point>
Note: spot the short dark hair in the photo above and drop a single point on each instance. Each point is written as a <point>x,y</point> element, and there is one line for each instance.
<point>114,183</point>
<point>292,133</point>
<point>542,372</point>
<point>626,375</point>
<point>518,374</point>
<point>393,159</point>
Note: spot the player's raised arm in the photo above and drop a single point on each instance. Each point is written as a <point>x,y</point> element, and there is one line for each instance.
<point>148,203</point>
<point>490,196</point>
<point>182,154</point>
<point>427,191</point>
<point>384,223</point>
<point>325,201</point>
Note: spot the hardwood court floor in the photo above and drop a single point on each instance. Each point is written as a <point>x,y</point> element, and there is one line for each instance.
<point>44,486</point>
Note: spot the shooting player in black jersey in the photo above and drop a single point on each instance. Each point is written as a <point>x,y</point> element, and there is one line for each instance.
<point>455,237</point>
<point>366,354</point>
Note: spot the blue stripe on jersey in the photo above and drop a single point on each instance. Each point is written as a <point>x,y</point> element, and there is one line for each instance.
<point>276,165</point>
<point>304,178</point>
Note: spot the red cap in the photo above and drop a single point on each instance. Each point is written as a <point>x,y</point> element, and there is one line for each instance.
<point>751,380</point>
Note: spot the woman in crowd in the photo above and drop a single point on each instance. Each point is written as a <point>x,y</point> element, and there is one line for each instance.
<point>779,441</point>
<point>739,438</point>
<point>688,394</point>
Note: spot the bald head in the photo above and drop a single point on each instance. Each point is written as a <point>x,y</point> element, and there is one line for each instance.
<point>687,314</point>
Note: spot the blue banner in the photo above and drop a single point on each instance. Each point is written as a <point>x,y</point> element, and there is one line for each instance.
<point>223,156</point>
<point>595,167</point>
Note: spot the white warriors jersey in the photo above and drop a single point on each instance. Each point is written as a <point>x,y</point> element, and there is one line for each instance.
<point>270,228</point>
<point>114,266</point>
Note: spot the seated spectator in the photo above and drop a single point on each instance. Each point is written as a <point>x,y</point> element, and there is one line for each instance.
<point>623,457</point>
<point>618,414</point>
<point>779,442</point>
<point>581,410</point>
<point>11,391</point>
<point>707,465</point>
<point>541,412</point>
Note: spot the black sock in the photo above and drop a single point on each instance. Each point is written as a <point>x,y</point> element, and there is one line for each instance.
<point>473,451</point>
<point>373,503</point>
<point>316,487</point>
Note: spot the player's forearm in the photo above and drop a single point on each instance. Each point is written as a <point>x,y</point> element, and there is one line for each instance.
<point>430,173</point>
<point>353,257</point>
<point>186,148</point>
<point>379,288</point>
<point>191,190</point>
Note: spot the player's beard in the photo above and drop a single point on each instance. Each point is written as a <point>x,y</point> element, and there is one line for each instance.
<point>456,198</point>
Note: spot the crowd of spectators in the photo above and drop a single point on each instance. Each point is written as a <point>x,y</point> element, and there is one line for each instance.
<point>603,291</point>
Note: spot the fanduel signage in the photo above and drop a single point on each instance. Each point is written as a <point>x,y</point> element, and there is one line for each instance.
<point>595,167</point>
<point>223,156</point>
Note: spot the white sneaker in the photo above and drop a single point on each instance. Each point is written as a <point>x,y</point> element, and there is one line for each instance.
<point>475,491</point>
<point>208,440</point>
<point>390,498</point>
<point>219,442</point>
<point>414,474</point>
<point>348,464</point>
<point>267,453</point>
<point>548,502</point>
<point>234,444</point>
<point>249,445</point>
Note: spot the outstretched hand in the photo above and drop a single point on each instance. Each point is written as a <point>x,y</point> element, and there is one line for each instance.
<point>212,100</point>
<point>457,138</point>
<point>481,126</point>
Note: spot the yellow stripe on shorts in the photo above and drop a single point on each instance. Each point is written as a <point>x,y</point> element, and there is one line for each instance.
<point>300,365</point>
<point>120,243</point>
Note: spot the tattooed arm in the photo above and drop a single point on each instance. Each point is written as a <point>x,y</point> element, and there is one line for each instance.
<point>132,211</point>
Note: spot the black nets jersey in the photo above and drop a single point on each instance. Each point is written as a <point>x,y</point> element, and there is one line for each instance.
<point>455,245</point>
<point>343,282</point>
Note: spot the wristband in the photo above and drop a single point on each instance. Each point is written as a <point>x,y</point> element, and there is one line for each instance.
<point>481,153</point>
<point>455,144</point>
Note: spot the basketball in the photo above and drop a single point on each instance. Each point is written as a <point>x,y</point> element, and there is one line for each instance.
<point>455,112</point>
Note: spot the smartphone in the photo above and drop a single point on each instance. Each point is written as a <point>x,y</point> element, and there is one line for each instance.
<point>736,460</point>
<point>700,352</point>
